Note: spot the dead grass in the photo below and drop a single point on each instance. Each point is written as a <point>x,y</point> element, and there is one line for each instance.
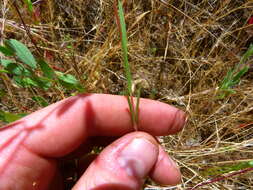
<point>179,52</point>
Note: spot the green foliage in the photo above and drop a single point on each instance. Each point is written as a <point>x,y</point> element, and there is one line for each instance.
<point>22,52</point>
<point>122,27</point>
<point>47,71</point>
<point>124,48</point>
<point>219,170</point>
<point>6,51</point>
<point>233,76</point>
<point>13,68</point>
<point>23,69</point>
<point>69,81</point>
<point>29,5</point>
<point>10,117</point>
<point>40,100</point>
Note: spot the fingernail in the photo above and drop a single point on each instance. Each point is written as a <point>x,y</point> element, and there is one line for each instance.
<point>138,157</point>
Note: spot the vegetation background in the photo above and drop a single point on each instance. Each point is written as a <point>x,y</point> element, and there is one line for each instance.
<point>179,51</point>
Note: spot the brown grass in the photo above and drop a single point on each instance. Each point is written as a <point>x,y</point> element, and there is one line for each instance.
<point>179,52</point>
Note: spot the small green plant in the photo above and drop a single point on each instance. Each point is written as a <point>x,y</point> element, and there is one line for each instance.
<point>10,117</point>
<point>28,72</point>
<point>29,5</point>
<point>219,170</point>
<point>233,76</point>
<point>123,35</point>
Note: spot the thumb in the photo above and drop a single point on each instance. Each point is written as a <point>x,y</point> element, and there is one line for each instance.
<point>123,165</point>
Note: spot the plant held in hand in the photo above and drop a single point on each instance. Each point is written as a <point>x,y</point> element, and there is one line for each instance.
<point>119,13</point>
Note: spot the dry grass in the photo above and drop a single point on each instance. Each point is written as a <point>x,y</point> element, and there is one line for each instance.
<point>179,52</point>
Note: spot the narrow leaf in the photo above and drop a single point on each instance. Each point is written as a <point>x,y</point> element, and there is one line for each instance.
<point>124,47</point>
<point>247,54</point>
<point>240,73</point>
<point>3,71</point>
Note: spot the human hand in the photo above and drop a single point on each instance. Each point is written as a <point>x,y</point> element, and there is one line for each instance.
<point>30,147</point>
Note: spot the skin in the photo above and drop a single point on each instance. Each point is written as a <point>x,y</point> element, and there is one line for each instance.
<point>31,147</point>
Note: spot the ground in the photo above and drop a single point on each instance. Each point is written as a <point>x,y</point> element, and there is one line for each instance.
<point>179,51</point>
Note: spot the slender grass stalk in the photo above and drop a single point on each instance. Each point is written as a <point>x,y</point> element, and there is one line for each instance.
<point>124,47</point>
<point>119,13</point>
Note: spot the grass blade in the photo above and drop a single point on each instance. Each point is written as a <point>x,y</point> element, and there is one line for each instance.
<point>123,34</point>
<point>124,47</point>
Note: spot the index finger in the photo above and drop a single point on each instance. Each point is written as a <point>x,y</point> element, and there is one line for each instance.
<point>60,128</point>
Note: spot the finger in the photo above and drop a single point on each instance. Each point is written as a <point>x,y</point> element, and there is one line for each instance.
<point>122,165</point>
<point>165,171</point>
<point>60,128</point>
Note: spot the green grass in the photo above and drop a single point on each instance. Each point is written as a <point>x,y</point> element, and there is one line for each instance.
<point>123,34</point>
<point>234,75</point>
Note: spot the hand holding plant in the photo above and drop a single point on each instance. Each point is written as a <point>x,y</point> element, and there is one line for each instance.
<point>55,133</point>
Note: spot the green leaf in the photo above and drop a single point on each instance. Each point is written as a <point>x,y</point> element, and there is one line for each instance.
<point>40,100</point>
<point>47,71</point>
<point>42,82</point>
<point>237,77</point>
<point>68,78</point>
<point>3,71</point>
<point>228,77</point>
<point>233,76</point>
<point>124,47</point>
<point>18,81</point>
<point>22,52</point>
<point>28,82</point>
<point>35,81</point>
<point>247,54</point>
<point>6,62</point>
<point>29,5</point>
<point>6,51</point>
<point>69,81</point>
<point>10,117</point>
<point>14,68</point>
